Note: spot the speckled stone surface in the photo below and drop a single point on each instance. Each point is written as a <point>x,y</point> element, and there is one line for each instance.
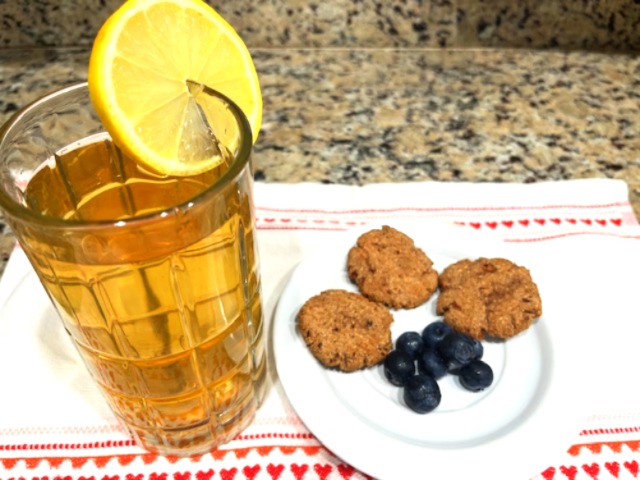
<point>594,24</point>
<point>261,23</point>
<point>372,115</point>
<point>343,23</point>
<point>589,24</point>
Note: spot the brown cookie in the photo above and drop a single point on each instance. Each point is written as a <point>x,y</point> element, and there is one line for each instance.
<point>388,268</point>
<point>488,297</point>
<point>344,330</point>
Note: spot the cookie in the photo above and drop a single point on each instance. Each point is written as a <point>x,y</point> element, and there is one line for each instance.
<point>488,297</point>
<point>388,268</point>
<point>344,330</point>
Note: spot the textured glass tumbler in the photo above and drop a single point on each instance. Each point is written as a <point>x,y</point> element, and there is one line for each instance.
<point>155,278</point>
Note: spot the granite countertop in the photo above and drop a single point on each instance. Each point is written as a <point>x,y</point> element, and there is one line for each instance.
<point>358,116</point>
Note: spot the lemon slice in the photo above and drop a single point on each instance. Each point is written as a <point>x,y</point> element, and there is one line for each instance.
<point>148,64</point>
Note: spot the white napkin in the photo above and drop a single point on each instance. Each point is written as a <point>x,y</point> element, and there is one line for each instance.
<point>52,419</point>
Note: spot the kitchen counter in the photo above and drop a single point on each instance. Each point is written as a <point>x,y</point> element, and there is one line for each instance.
<point>358,116</point>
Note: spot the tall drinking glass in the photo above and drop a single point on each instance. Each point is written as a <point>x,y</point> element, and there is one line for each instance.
<point>156,278</point>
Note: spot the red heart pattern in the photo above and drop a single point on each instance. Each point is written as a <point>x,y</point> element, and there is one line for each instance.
<point>569,472</point>
<point>204,475</point>
<point>228,474</point>
<point>299,470</point>
<point>632,467</point>
<point>592,470</point>
<point>272,222</point>
<point>251,472</point>
<point>275,470</point>
<point>346,471</point>
<point>613,468</point>
<point>541,221</point>
<point>603,222</point>
<point>323,471</point>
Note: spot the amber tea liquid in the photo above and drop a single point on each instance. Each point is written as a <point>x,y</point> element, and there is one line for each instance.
<point>163,302</point>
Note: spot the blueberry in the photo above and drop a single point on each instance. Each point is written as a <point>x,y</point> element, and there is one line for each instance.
<point>421,393</point>
<point>410,343</point>
<point>433,333</point>
<point>398,367</point>
<point>431,363</point>
<point>478,348</point>
<point>457,350</point>
<point>476,376</point>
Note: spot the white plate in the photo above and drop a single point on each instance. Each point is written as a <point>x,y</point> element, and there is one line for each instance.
<point>511,430</point>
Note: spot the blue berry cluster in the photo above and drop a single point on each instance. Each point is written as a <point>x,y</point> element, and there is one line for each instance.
<point>420,359</point>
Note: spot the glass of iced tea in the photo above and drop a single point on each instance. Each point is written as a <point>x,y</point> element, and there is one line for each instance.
<point>156,278</point>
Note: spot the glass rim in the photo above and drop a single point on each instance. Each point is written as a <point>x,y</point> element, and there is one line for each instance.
<point>240,160</point>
